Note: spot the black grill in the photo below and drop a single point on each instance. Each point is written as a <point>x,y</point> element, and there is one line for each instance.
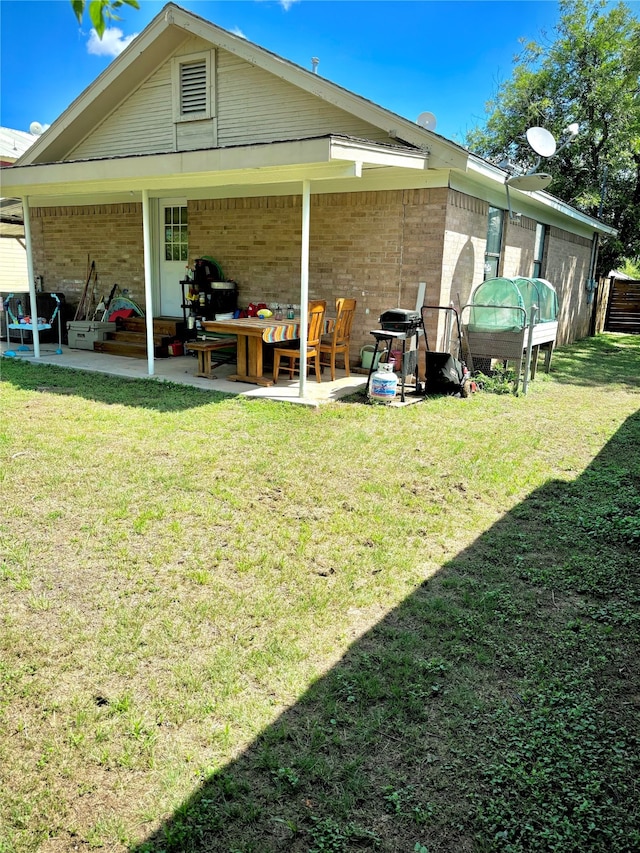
<point>400,320</point>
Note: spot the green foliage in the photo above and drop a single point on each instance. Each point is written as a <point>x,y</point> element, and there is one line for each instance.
<point>587,74</point>
<point>100,11</point>
<point>562,773</point>
<point>403,803</point>
<point>499,381</point>
<point>328,837</point>
<point>630,268</point>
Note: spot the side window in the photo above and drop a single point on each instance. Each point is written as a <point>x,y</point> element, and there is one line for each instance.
<point>538,252</point>
<point>192,87</point>
<point>494,242</point>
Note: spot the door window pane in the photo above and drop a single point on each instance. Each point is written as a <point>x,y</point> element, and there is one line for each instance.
<point>176,243</point>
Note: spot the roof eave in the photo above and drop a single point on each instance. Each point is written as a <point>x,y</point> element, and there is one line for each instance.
<point>320,158</point>
<point>487,173</point>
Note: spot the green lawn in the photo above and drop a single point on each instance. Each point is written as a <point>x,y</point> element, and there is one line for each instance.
<point>235,626</point>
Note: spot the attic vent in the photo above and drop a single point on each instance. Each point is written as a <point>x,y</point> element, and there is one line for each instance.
<point>193,88</point>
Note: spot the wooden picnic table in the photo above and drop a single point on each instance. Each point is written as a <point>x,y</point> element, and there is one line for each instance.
<point>252,333</point>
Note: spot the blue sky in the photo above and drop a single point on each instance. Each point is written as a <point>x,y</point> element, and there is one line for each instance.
<point>409,56</point>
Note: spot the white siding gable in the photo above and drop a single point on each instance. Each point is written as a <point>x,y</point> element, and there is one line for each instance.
<point>13,266</point>
<point>247,104</point>
<point>256,106</point>
<point>143,124</point>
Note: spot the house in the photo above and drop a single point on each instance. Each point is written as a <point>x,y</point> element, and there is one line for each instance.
<point>196,142</point>
<point>13,254</point>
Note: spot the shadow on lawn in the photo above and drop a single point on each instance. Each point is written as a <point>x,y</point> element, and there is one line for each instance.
<point>102,388</point>
<point>495,709</point>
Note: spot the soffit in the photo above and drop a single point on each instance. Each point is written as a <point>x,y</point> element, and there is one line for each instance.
<point>254,168</point>
<point>486,181</point>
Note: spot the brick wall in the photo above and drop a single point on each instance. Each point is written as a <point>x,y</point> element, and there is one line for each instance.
<point>64,238</point>
<point>519,246</point>
<point>567,268</point>
<point>465,241</point>
<point>565,265</point>
<point>374,247</point>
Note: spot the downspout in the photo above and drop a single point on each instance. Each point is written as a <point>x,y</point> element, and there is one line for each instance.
<point>148,296</point>
<point>26,217</point>
<point>304,285</point>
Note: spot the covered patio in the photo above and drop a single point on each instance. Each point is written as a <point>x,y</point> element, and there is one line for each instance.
<point>334,162</point>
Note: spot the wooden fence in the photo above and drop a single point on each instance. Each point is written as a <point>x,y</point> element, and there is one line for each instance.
<point>623,307</point>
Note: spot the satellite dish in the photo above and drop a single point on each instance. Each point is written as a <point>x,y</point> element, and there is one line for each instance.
<point>541,141</point>
<point>537,181</point>
<point>36,128</point>
<point>427,120</point>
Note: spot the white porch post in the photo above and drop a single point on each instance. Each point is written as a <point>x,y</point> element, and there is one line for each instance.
<point>26,218</point>
<point>148,296</point>
<point>304,285</point>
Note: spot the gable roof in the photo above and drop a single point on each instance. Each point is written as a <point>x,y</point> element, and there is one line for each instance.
<point>164,35</point>
<point>49,174</point>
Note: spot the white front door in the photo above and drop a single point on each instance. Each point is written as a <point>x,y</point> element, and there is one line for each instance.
<point>174,256</point>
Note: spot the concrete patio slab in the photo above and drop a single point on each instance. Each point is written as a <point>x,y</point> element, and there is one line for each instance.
<point>181,370</point>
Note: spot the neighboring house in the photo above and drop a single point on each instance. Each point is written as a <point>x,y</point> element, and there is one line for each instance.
<point>13,252</point>
<point>197,142</point>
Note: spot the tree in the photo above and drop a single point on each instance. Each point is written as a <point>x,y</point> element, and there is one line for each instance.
<point>100,11</point>
<point>590,74</point>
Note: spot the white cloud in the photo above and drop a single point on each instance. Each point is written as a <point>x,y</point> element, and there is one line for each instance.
<point>112,43</point>
<point>286,4</point>
<point>238,32</point>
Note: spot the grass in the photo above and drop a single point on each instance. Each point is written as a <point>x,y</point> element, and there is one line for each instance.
<point>251,627</point>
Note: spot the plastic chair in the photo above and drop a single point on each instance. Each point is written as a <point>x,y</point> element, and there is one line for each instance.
<point>338,342</point>
<point>314,332</point>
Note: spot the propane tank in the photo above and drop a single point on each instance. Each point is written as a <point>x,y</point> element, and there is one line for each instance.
<point>384,382</point>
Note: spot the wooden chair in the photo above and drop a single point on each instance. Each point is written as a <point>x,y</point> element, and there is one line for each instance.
<point>314,333</point>
<point>338,342</point>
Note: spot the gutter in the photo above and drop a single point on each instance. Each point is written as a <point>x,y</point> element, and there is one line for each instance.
<point>488,173</point>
